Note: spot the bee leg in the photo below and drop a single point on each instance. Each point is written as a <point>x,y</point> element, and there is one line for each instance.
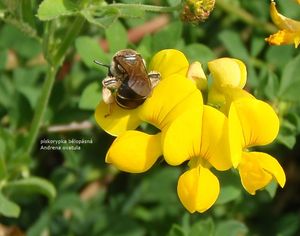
<point>107,96</point>
<point>154,77</point>
<point>108,99</point>
<point>110,84</point>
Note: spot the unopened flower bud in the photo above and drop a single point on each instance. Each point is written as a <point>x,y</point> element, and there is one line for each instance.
<point>197,75</point>
<point>228,73</point>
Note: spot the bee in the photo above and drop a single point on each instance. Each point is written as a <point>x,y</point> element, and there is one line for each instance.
<point>128,83</point>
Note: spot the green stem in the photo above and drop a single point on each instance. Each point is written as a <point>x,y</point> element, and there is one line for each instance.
<point>41,108</point>
<point>146,7</point>
<point>48,84</point>
<point>72,32</point>
<point>245,16</point>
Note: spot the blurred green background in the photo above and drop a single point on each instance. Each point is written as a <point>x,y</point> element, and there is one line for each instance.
<point>64,192</point>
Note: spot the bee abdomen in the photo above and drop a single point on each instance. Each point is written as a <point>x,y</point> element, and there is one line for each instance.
<point>129,103</point>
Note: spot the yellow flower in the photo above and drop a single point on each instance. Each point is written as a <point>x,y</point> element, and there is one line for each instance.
<point>174,98</point>
<point>251,122</point>
<point>198,188</point>
<point>289,29</point>
<point>160,110</point>
<point>121,119</point>
<point>228,74</point>
<point>176,109</point>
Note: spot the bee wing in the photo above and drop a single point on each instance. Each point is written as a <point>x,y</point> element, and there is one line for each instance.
<point>140,84</point>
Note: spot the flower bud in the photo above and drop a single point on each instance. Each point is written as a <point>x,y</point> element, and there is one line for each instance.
<point>228,73</point>
<point>197,75</point>
<point>197,10</point>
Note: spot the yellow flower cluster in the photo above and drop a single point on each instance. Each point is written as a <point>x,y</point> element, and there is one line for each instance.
<point>216,135</point>
<point>289,29</point>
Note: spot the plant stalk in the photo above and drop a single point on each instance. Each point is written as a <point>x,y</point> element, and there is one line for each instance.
<point>41,108</point>
<point>50,79</point>
<point>245,16</point>
<point>151,8</point>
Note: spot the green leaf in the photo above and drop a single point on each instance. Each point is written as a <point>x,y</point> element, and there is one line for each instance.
<point>199,52</point>
<point>228,193</point>
<point>89,50</point>
<point>168,37</point>
<point>288,225</point>
<point>15,39</point>
<point>233,43</point>
<point>271,188</point>
<point>203,227</point>
<point>39,226</point>
<point>257,45</point>
<point>271,86</point>
<point>102,17</point>
<point>2,159</point>
<point>8,208</point>
<point>33,185</point>
<point>116,36</point>
<point>279,56</point>
<point>51,9</point>
<point>231,187</point>
<point>144,47</point>
<point>166,179</point>
<point>287,134</point>
<point>66,201</point>
<point>287,140</point>
<point>6,91</point>
<point>32,94</point>
<point>290,81</point>
<point>288,129</point>
<point>3,59</point>
<point>90,97</point>
<point>20,111</point>
<point>176,230</point>
<point>231,227</point>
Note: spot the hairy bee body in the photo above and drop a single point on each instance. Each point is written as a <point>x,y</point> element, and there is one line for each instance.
<point>128,81</point>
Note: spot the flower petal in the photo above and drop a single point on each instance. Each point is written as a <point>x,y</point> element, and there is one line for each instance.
<point>257,170</point>
<point>272,166</point>
<point>165,96</point>
<point>284,37</point>
<point>281,21</point>
<point>169,62</point>
<point>181,139</point>
<point>228,72</point>
<point>258,120</point>
<point>235,134</point>
<point>216,97</point>
<point>197,75</point>
<point>253,177</point>
<point>214,141</point>
<point>198,189</point>
<point>119,119</point>
<point>134,151</point>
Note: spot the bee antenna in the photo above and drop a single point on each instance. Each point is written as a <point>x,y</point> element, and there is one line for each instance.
<point>101,64</point>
